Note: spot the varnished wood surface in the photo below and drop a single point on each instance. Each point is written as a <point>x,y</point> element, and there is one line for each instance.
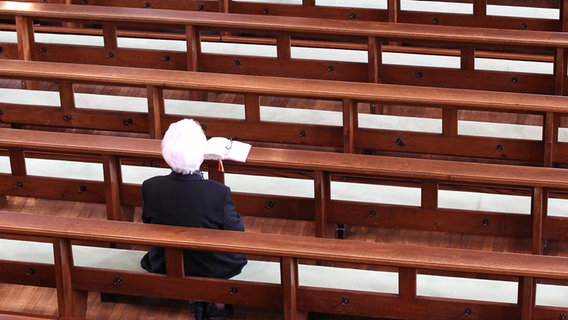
<point>143,312</point>
<point>393,11</point>
<point>296,228</point>
<point>463,41</point>
<point>450,171</point>
<point>277,86</point>
<point>267,225</point>
<point>367,234</point>
<point>294,24</point>
<point>350,99</point>
<point>347,251</point>
<point>24,299</point>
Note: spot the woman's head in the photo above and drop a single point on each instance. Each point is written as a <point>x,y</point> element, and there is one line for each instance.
<point>183,146</point>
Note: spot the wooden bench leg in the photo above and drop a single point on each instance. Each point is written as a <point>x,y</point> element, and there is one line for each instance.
<point>71,303</point>
<point>290,282</point>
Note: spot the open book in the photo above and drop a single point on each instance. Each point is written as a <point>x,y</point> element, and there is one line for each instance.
<point>219,148</point>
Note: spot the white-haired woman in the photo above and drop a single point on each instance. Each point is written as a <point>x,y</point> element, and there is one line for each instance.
<point>184,198</point>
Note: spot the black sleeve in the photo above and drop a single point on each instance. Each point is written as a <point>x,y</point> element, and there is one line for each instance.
<point>147,212</point>
<point>231,218</point>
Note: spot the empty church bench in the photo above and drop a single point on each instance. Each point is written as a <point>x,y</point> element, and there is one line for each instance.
<point>532,15</point>
<point>335,116</point>
<point>458,65</point>
<point>287,278</point>
<point>323,187</point>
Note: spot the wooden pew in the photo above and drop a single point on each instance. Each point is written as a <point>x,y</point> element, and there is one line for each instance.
<point>295,291</point>
<point>471,14</point>
<point>444,114</point>
<point>329,179</point>
<point>474,14</point>
<point>365,43</point>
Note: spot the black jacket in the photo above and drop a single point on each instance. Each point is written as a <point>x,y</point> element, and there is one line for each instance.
<point>189,200</point>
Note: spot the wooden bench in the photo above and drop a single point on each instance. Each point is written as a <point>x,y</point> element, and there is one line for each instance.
<point>327,188</point>
<point>532,15</point>
<point>366,62</point>
<point>293,273</point>
<point>472,14</point>
<point>440,117</point>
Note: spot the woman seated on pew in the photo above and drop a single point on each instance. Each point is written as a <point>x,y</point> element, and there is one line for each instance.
<point>185,198</point>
